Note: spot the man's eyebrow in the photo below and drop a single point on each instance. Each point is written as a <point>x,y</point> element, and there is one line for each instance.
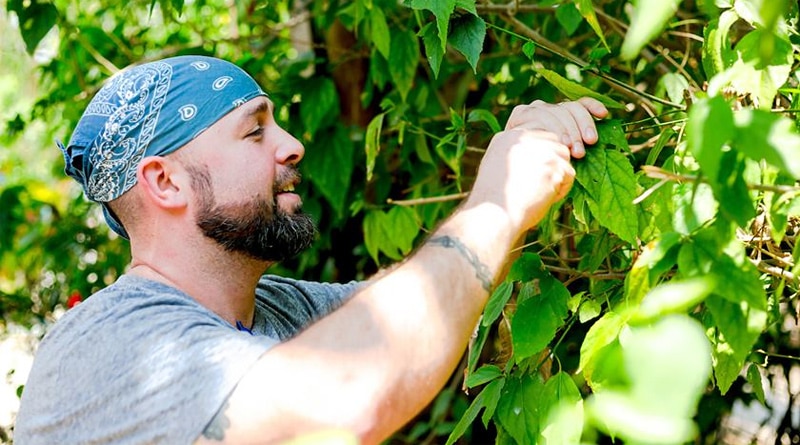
<point>262,108</point>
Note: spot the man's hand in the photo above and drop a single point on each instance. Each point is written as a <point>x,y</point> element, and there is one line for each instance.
<point>527,167</point>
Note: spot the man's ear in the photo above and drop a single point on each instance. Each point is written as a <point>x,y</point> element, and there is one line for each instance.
<point>163,181</point>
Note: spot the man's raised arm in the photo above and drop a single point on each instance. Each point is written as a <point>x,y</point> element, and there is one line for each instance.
<point>375,363</point>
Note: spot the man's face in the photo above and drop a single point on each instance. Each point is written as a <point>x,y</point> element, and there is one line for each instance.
<point>257,228</point>
<point>249,205</point>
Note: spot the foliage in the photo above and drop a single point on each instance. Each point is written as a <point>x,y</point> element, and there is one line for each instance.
<point>663,281</point>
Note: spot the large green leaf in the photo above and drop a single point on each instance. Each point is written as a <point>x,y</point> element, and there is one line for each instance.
<point>466,36</point>
<point>391,232</point>
<point>574,91</point>
<point>676,296</point>
<point>538,318</point>
<point>607,176</point>
<point>668,364</point>
<point>647,21</point>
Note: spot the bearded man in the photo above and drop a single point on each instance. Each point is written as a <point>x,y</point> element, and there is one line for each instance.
<point>194,343</point>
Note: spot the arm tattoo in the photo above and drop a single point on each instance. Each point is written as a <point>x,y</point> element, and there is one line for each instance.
<point>481,270</point>
<point>215,430</point>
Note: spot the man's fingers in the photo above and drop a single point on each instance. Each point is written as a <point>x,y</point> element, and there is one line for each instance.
<point>594,106</point>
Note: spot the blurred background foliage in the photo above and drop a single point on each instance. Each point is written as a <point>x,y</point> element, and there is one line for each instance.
<point>394,123</point>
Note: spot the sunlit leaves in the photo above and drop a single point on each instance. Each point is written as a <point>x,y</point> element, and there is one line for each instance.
<point>668,364</point>
<point>648,20</point>
<point>372,143</point>
<point>586,8</point>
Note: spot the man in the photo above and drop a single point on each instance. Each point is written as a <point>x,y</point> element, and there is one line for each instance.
<point>189,164</point>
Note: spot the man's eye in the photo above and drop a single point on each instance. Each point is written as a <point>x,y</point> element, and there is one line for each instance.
<point>256,133</point>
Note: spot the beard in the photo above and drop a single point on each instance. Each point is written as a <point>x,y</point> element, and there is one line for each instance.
<point>258,228</point>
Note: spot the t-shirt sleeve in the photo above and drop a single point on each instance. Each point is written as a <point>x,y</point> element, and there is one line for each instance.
<point>139,366</point>
<point>285,306</point>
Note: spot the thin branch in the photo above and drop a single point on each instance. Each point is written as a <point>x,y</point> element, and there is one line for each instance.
<point>431,200</point>
<point>775,271</point>
<point>659,173</point>
<point>596,276</point>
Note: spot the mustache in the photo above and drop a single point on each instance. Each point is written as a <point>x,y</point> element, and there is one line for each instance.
<point>289,176</point>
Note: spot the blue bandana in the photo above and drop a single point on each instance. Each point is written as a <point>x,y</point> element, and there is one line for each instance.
<point>149,110</point>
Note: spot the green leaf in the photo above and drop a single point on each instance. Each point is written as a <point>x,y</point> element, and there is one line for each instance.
<point>434,53</point>
<point>372,142</point>
<point>484,374</point>
<point>762,135</point>
<point>374,234</point>
<point>750,75</point>
<point>675,86</point>
<point>602,333</point>
<point>537,319</point>
<point>735,282</point>
<point>529,49</point>
<point>676,296</point>
<point>493,392</point>
<point>694,207</point>
<point>607,176</point>
<point>574,91</point>
<point>586,8</point>
<point>320,101</point>
<point>519,407</point>
<point>442,10</point>
<point>732,190</point>
<point>403,59</point>
<point>474,409</point>
<point>497,301</point>
<point>611,133</point>
<point>481,115</point>
<point>402,228</point>
<point>563,405</point>
<point>569,18</point>
<point>754,378</point>
<point>717,51</point>
<point>329,165</point>
<point>648,19</point>
<point>708,130</point>
<point>589,310</point>
<point>527,267</point>
<point>380,31</point>
<point>36,19</point>
<point>466,36</point>
<point>739,326</point>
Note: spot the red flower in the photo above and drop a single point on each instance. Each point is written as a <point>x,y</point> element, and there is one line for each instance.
<point>74,299</point>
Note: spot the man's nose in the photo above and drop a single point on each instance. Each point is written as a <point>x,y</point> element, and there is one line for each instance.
<point>290,150</point>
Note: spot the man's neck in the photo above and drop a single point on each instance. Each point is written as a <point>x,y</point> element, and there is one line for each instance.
<point>222,282</point>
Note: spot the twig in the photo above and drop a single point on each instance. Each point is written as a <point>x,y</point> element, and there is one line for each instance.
<point>659,173</point>
<point>431,200</point>
<point>596,276</point>
<point>775,271</point>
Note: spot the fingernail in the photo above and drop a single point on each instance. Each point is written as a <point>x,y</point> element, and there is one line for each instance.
<point>578,151</point>
<point>590,133</point>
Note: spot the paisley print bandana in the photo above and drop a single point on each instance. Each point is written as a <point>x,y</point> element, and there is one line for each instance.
<point>147,110</point>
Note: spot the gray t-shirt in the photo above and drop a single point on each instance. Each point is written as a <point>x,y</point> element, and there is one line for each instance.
<point>142,362</point>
